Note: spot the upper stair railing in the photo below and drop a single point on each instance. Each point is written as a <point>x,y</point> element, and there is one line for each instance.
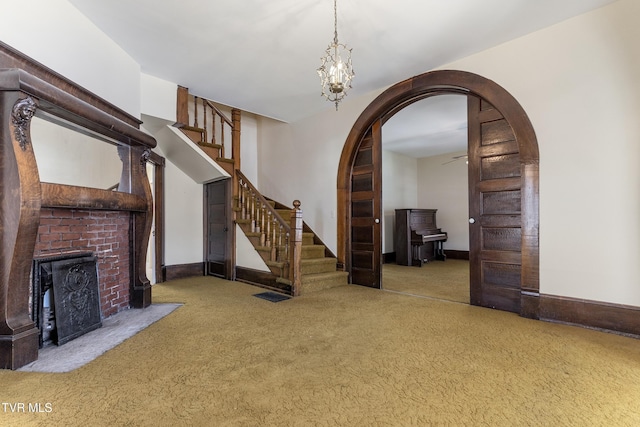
<point>282,238</point>
<point>203,122</point>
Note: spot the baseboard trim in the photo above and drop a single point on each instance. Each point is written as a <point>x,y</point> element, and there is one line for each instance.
<point>452,254</point>
<point>619,318</point>
<point>389,258</point>
<point>263,279</point>
<point>182,271</point>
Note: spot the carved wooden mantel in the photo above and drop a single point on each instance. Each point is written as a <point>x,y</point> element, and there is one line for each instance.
<point>28,88</point>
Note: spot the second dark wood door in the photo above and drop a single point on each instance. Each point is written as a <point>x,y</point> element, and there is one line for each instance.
<point>495,237</point>
<point>218,218</point>
<point>366,210</point>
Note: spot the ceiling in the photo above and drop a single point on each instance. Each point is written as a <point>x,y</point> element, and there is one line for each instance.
<point>261,56</point>
<point>430,127</point>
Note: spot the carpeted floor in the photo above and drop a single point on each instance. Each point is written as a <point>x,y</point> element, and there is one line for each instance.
<point>347,356</point>
<point>447,280</point>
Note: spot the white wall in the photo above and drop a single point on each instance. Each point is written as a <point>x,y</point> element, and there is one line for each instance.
<point>184,225</point>
<point>158,97</point>
<point>578,82</point>
<point>65,156</point>
<point>300,161</point>
<point>399,191</point>
<point>56,34</point>
<point>445,187</point>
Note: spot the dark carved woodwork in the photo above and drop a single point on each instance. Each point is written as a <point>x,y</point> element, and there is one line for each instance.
<point>21,192</point>
<point>23,112</point>
<point>497,104</point>
<point>20,196</point>
<point>158,209</point>
<point>74,197</point>
<point>134,180</point>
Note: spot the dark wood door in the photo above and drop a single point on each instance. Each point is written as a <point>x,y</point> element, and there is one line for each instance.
<point>494,209</point>
<point>366,210</point>
<point>217,224</point>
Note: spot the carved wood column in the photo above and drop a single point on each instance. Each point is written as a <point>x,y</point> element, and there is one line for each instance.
<point>20,198</point>
<point>134,180</point>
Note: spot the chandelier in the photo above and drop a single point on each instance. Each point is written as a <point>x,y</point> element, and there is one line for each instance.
<point>336,71</point>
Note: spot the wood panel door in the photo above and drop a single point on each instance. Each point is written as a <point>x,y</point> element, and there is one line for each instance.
<point>217,229</point>
<point>366,210</point>
<point>495,236</point>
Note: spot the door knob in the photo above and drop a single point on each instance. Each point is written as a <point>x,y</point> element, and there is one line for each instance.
<point>472,220</point>
<point>377,221</point>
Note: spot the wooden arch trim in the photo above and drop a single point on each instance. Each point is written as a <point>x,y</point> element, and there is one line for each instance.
<point>439,82</point>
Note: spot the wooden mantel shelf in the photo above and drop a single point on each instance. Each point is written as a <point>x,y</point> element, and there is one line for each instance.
<point>74,197</point>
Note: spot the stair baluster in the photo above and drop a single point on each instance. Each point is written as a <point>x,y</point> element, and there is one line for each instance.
<point>204,119</point>
<point>195,111</point>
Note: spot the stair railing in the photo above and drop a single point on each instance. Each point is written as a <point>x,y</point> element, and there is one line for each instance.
<point>284,239</point>
<point>214,127</point>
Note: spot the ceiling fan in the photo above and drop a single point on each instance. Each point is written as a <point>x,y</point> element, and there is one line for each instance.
<point>456,158</point>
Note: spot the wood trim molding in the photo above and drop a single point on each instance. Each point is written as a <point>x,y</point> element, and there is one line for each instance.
<point>263,279</point>
<point>612,317</point>
<point>182,271</point>
<point>75,197</point>
<point>453,254</point>
<point>440,82</point>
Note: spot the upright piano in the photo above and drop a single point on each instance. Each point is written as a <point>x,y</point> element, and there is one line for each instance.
<point>417,237</point>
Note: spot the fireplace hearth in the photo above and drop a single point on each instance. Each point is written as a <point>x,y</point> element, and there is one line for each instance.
<point>66,298</point>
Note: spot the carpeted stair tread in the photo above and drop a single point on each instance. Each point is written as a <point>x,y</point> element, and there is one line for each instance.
<point>317,282</point>
<point>312,251</point>
<point>317,265</point>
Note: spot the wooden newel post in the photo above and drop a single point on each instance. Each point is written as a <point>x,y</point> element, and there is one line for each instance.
<point>296,253</point>
<point>182,107</point>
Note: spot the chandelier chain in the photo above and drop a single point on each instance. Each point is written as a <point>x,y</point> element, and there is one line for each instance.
<point>335,21</point>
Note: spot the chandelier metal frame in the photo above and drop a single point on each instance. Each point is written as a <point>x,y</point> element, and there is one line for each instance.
<point>335,72</point>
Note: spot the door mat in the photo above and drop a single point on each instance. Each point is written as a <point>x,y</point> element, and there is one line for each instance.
<point>272,296</point>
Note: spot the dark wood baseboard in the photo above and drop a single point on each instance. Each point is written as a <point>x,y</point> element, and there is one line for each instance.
<point>263,279</point>
<point>390,257</point>
<point>618,318</point>
<point>181,271</point>
<point>452,254</point>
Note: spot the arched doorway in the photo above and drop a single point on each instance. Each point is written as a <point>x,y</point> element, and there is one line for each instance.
<point>503,190</point>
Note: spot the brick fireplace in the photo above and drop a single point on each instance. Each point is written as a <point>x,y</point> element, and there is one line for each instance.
<point>105,234</point>
<point>41,219</point>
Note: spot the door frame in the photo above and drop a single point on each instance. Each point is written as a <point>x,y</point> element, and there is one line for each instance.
<point>441,82</point>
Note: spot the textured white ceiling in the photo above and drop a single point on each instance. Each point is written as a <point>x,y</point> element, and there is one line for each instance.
<point>261,56</point>
<point>430,127</point>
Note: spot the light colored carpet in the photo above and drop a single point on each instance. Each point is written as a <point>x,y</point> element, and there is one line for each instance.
<point>347,356</point>
<point>447,280</point>
<point>84,349</point>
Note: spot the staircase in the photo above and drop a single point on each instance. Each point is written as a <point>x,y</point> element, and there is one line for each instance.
<point>298,260</point>
<point>260,219</point>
